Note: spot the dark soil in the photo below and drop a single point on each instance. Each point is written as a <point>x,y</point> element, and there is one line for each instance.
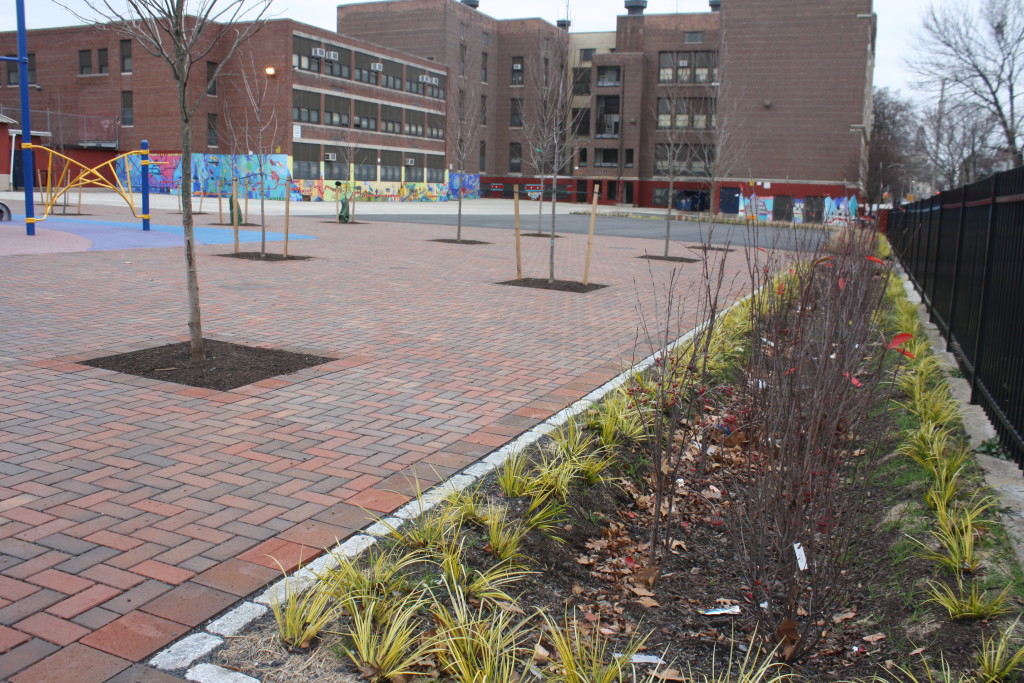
<point>241,225</point>
<point>450,241</point>
<point>227,366</point>
<point>558,286</point>
<point>710,248</point>
<point>349,223</point>
<point>537,234</point>
<point>674,259</point>
<point>255,256</point>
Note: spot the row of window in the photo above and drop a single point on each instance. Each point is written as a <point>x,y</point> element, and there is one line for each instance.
<point>687,67</point>
<point>365,164</point>
<point>683,160</point>
<point>344,112</point>
<point>686,113</point>
<point>334,60</point>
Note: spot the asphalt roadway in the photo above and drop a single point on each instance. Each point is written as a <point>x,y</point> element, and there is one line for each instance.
<point>738,236</point>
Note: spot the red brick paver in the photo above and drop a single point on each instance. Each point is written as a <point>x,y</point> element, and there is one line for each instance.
<point>132,510</point>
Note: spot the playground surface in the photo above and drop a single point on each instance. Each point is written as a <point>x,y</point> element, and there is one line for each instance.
<point>64,234</point>
<point>134,510</point>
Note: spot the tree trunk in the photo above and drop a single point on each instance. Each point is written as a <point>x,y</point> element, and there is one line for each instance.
<point>195,324</point>
<point>554,204</point>
<point>263,214</point>
<point>458,229</point>
<point>540,207</point>
<point>668,216</point>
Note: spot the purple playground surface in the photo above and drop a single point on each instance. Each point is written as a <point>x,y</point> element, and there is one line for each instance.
<point>59,234</point>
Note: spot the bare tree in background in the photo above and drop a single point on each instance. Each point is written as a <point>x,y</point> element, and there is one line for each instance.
<point>974,53</point>
<point>957,139</point>
<point>548,120</point>
<point>254,127</point>
<point>464,123</point>
<point>182,33</point>
<point>892,158</point>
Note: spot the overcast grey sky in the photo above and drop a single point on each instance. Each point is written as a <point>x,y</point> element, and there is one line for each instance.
<point>897,21</point>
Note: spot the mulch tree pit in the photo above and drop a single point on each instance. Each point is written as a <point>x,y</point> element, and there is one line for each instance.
<point>255,256</point>
<point>227,366</point>
<point>450,241</point>
<point>342,223</point>
<point>537,234</point>
<point>558,286</point>
<point>675,259</point>
<point>710,248</point>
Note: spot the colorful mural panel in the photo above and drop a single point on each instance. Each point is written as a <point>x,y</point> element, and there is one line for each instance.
<point>838,210</point>
<point>212,174</point>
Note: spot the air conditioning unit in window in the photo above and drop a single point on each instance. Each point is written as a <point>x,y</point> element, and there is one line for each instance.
<point>332,56</point>
<point>517,67</point>
<point>683,63</point>
<point>330,156</point>
<point>434,80</point>
<point>410,162</point>
<point>318,52</point>
<point>424,79</point>
<point>377,66</point>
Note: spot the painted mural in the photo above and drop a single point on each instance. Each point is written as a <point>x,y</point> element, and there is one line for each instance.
<point>838,210</point>
<point>212,174</point>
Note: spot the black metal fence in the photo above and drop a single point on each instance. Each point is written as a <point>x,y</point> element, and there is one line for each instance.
<point>964,251</point>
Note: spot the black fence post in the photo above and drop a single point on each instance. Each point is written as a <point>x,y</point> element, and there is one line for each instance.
<point>979,338</point>
<point>956,267</point>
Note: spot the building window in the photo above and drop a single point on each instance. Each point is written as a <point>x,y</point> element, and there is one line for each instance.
<point>390,119</point>
<point>606,157</point>
<point>483,67</point>
<point>337,170</point>
<point>693,37</point>
<point>305,161</point>
<point>391,76</point>
<point>483,157</point>
<point>515,157</point>
<point>517,71</point>
<point>486,38</point>
<point>306,107</point>
<point>581,81</point>
<point>463,30</point>
<point>336,111</point>
<point>365,115</point>
<point>515,118</point>
<point>581,122</point>
<point>84,62</point>
<point>101,61</point>
<point>581,156</point>
<point>435,168</point>
<point>127,109</point>
<point>587,54</point>
<point>413,80</point>
<point>12,70</point>
<point>462,59</point>
<point>126,56</point>
<point>391,165</point>
<point>305,54</point>
<point>211,130</point>
<point>367,68</point>
<point>629,158</point>
<point>705,67</point>
<point>413,171</point>
<point>483,110</point>
<point>414,122</point>
<point>435,126</point>
<point>211,81</point>
<point>336,62</point>
<point>366,161</point>
<point>609,75</point>
<point>607,116</point>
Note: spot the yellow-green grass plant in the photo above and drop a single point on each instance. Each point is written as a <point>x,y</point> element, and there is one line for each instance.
<point>595,468</point>
<point>488,585</point>
<point>934,405</point>
<point>944,674</point>
<point>956,542</point>
<point>615,420</point>
<point>883,249</point>
<point>569,441</point>
<point>755,666</point>
<point>382,575</point>
<point>505,535</point>
<point>584,657</point>
<point>967,602</point>
<point>470,506</point>
<point>997,659</point>
<point>383,649</point>
<point>301,615</point>
<point>481,645</point>
<point>545,514</point>
<point>556,473</point>
<point>515,478</point>
<point>429,532</point>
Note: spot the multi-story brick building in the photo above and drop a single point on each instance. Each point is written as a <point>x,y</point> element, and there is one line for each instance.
<point>764,100</point>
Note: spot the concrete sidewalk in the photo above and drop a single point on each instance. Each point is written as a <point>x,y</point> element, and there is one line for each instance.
<point>133,510</point>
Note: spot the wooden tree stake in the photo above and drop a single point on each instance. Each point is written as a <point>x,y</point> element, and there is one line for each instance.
<point>519,251</point>
<point>590,234</point>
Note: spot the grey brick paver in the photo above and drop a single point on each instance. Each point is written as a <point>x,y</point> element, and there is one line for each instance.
<point>431,358</point>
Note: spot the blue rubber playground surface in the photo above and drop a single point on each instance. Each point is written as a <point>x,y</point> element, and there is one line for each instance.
<point>111,235</point>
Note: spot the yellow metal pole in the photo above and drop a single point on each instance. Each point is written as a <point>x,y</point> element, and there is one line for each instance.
<point>519,251</point>
<point>590,234</point>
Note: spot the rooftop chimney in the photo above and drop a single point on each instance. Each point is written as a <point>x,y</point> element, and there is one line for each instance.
<point>471,3</point>
<point>635,8</point>
<point>715,5</point>
<point>563,24</point>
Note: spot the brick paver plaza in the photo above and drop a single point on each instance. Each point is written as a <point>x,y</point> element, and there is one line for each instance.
<point>133,510</point>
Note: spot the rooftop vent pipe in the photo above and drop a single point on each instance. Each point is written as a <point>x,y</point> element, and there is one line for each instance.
<point>635,8</point>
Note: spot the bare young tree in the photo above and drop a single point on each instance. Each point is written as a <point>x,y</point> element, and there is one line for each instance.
<point>253,125</point>
<point>892,158</point>
<point>957,140</point>
<point>182,33</point>
<point>463,124</point>
<point>973,52</point>
<point>548,120</point>
<point>672,143</point>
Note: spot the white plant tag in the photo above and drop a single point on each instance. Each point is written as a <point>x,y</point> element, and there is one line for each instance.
<point>801,557</point>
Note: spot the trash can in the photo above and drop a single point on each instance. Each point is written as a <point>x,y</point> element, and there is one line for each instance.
<point>343,211</point>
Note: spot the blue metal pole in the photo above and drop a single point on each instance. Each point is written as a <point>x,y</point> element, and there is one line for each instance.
<point>26,123</point>
<point>145,184</point>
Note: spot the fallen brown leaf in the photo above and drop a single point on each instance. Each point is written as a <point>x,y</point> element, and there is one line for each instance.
<point>647,602</point>
<point>874,638</point>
